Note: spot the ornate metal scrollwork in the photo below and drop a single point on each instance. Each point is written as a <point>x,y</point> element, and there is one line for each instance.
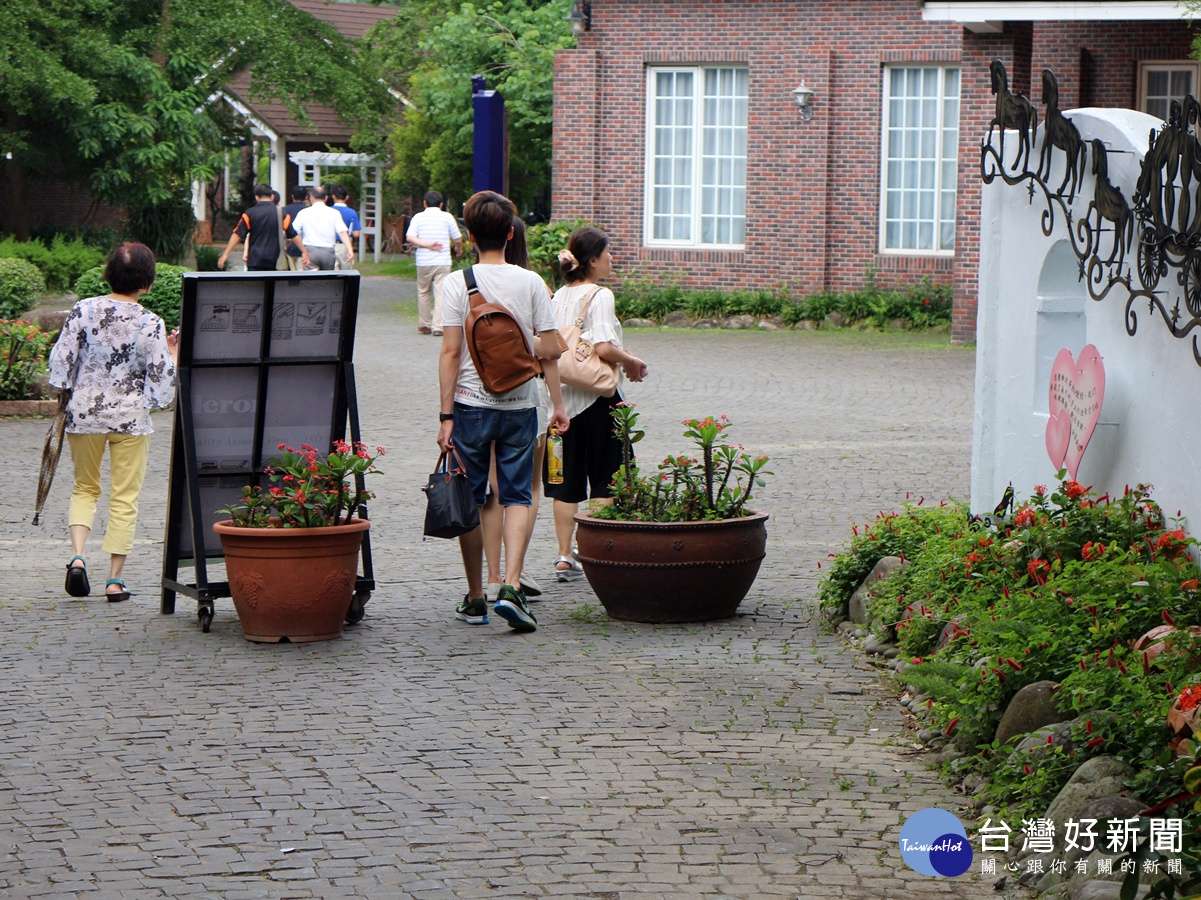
<point>1160,226</point>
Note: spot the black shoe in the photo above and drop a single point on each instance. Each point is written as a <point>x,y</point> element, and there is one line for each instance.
<point>116,596</point>
<point>511,606</point>
<point>77,578</point>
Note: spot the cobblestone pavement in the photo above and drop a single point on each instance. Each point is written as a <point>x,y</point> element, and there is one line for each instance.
<point>420,757</point>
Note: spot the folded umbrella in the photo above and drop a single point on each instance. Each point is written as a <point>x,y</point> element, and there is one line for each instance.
<point>51,450</point>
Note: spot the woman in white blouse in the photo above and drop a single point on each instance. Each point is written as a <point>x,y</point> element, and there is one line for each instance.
<point>118,361</point>
<point>591,453</point>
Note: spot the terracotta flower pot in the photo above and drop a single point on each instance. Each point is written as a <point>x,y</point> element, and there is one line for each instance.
<point>292,584</point>
<point>672,571</point>
<point>1182,723</point>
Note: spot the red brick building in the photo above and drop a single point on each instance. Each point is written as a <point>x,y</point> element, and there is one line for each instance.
<point>677,128</point>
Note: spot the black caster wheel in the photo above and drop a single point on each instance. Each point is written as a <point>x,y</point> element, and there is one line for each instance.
<point>355,614</point>
<point>205,614</point>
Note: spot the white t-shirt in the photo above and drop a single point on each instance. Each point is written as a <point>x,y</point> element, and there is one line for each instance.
<point>524,294</point>
<point>433,224</point>
<point>600,325</point>
<point>318,225</point>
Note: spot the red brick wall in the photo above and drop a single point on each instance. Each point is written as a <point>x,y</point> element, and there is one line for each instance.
<point>813,189</point>
<point>66,205</point>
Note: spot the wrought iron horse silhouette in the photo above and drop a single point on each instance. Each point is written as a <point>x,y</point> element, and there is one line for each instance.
<point>1058,131</point>
<point>1111,206</point>
<point>1012,111</point>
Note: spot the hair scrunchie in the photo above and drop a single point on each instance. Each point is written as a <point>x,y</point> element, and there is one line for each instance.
<point>566,256</point>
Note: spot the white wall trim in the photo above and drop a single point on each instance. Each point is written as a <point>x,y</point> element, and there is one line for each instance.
<point>978,12</point>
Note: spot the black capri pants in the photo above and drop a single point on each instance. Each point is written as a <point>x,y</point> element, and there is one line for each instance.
<point>591,454</point>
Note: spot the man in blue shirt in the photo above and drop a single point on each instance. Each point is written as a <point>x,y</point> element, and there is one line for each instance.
<point>351,218</point>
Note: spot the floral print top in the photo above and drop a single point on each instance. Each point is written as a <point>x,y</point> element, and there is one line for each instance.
<point>113,355</point>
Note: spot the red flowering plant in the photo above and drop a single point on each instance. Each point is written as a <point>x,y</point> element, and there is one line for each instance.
<point>308,490</point>
<point>715,483</point>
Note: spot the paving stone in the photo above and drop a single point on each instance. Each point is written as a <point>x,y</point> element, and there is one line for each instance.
<point>420,757</point>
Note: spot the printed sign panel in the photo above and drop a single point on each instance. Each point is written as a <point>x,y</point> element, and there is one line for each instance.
<point>229,320</point>
<point>215,494</point>
<point>223,405</point>
<point>300,407</point>
<point>307,319</point>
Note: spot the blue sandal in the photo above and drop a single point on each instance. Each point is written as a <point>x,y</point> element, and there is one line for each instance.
<point>77,578</point>
<point>116,596</point>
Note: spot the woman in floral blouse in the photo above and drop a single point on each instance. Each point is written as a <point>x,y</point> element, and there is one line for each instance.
<point>118,361</point>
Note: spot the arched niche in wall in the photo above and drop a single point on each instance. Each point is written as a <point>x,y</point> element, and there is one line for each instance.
<point>1062,298</point>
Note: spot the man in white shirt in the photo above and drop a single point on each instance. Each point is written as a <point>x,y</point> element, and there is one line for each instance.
<point>318,228</point>
<point>479,424</point>
<point>433,231</point>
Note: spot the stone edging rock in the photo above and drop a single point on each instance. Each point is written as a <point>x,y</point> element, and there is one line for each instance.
<point>28,407</point>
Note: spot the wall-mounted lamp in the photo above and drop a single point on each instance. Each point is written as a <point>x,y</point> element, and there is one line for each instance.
<point>580,16</point>
<point>804,100</point>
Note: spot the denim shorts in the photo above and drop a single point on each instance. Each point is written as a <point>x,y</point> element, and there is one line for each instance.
<point>513,432</point>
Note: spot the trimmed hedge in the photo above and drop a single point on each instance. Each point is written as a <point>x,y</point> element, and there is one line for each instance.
<point>61,262</point>
<point>922,305</point>
<point>20,284</point>
<point>164,298</point>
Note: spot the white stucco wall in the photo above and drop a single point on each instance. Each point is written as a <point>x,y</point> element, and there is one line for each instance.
<point>1032,303</point>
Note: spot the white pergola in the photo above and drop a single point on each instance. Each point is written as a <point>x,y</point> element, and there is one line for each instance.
<point>371,174</point>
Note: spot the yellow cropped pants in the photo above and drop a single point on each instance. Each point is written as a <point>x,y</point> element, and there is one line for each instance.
<point>127,455</point>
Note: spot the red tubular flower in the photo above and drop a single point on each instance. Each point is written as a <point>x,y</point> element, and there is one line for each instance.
<point>1088,726</point>
<point>1122,669</point>
<point>951,725</point>
<point>1013,664</point>
<point>1096,741</point>
<point>1026,769</point>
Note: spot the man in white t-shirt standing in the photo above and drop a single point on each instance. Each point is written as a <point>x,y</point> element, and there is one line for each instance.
<point>433,231</point>
<point>318,228</point>
<point>477,423</point>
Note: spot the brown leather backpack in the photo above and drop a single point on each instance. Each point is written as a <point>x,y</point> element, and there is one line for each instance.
<point>498,346</point>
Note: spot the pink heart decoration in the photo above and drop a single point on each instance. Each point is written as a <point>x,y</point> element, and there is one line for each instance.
<point>1059,434</point>
<point>1074,401</point>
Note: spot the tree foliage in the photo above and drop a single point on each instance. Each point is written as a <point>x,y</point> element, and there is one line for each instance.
<point>435,54</point>
<point>122,92</point>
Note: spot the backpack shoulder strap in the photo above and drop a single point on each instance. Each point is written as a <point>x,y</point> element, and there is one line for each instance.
<point>475,296</point>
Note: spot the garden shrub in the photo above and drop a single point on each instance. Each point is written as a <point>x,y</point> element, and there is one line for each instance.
<point>922,305</point>
<point>23,351</point>
<point>1059,593</point>
<point>164,298</point>
<point>206,257</point>
<point>21,283</point>
<point>544,242</point>
<point>61,261</point>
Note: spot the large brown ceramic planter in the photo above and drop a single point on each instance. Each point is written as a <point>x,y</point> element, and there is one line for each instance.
<point>292,584</point>
<point>671,571</point>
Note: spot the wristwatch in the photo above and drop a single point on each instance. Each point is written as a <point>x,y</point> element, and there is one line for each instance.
<point>445,417</point>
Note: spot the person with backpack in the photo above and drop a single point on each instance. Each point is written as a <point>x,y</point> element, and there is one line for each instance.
<point>486,373</point>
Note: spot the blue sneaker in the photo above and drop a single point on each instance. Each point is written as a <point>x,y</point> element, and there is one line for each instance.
<point>512,607</point>
<point>473,612</point>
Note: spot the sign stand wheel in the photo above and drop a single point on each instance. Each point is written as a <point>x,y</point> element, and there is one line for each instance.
<point>355,614</point>
<point>205,615</point>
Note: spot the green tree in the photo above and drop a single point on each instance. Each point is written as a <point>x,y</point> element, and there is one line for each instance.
<point>513,43</point>
<point>120,93</point>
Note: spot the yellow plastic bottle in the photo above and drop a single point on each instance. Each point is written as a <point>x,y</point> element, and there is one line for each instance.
<point>554,458</point>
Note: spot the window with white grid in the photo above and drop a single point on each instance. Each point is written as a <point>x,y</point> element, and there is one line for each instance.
<point>696,155</point>
<point>1162,82</point>
<point>920,159</point>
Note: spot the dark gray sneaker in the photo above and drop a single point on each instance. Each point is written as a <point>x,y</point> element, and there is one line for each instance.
<point>511,606</point>
<point>473,612</point>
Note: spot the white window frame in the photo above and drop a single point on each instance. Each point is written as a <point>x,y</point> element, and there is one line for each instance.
<point>698,128</point>
<point>1146,67</point>
<point>940,160</point>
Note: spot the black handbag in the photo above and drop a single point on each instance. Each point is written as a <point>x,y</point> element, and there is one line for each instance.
<point>450,505</point>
